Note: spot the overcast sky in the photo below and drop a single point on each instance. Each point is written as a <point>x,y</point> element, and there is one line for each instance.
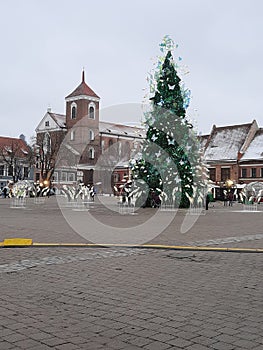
<point>45,44</point>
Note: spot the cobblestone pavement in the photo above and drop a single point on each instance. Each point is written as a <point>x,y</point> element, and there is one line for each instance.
<point>130,299</point>
<point>101,298</point>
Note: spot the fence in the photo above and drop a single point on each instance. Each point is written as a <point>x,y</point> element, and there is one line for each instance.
<point>250,207</point>
<point>125,208</point>
<point>18,203</point>
<point>196,209</point>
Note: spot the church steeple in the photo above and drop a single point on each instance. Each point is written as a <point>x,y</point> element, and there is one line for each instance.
<point>82,102</point>
<point>83,89</point>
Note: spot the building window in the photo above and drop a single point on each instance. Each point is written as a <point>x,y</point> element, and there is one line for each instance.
<point>244,172</point>
<point>91,153</point>
<point>91,135</point>
<point>91,111</point>
<point>253,172</point>
<point>10,171</point>
<point>47,123</point>
<point>225,174</point>
<point>26,172</point>
<point>71,177</point>
<point>2,167</point>
<point>73,110</point>
<point>55,176</point>
<point>37,177</point>
<point>110,142</point>
<point>102,145</point>
<point>47,143</point>
<point>72,135</point>
<point>126,150</point>
<point>63,176</point>
<point>212,174</point>
<point>117,177</point>
<point>261,172</point>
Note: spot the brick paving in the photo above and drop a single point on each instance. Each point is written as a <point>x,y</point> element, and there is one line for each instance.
<point>90,298</point>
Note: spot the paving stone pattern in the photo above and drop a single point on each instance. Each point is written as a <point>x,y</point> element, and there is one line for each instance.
<point>75,298</point>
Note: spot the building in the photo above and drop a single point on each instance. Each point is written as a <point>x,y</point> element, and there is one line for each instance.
<point>234,154</point>
<point>71,146</point>
<point>251,163</point>
<point>15,160</point>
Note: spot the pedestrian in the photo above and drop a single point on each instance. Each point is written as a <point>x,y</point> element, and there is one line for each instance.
<point>225,199</point>
<point>207,200</point>
<point>230,199</point>
<point>4,192</point>
<point>92,193</point>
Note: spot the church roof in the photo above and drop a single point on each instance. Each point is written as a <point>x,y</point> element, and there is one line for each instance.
<point>121,129</point>
<point>60,119</point>
<point>83,89</point>
<point>104,127</point>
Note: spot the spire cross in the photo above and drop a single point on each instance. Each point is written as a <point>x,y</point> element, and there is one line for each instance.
<point>83,75</point>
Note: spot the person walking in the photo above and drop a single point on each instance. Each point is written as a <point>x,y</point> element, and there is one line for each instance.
<point>230,199</point>
<point>225,199</point>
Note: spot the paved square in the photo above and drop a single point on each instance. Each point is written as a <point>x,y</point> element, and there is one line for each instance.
<point>102,298</point>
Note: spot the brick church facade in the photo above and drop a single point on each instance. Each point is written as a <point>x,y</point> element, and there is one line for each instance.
<point>78,143</point>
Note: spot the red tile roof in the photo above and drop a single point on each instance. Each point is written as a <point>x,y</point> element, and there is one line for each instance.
<point>83,89</point>
<point>11,144</point>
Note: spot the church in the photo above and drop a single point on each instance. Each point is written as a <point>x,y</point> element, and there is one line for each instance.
<point>71,146</point>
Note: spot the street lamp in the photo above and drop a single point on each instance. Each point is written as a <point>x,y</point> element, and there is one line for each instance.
<point>229,184</point>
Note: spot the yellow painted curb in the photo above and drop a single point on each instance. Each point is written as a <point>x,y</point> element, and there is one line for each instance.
<point>17,242</point>
<point>22,242</point>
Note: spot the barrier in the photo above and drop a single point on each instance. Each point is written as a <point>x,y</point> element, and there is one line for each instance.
<point>196,209</point>
<point>125,209</point>
<point>250,207</point>
<point>19,203</point>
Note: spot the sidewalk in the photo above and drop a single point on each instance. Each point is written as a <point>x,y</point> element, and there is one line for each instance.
<point>90,298</point>
<point>126,299</point>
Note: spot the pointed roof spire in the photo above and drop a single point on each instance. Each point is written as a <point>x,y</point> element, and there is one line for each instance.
<point>83,89</point>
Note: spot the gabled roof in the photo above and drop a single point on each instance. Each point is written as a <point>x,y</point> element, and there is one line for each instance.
<point>13,145</point>
<point>225,142</point>
<point>203,140</point>
<point>255,149</point>
<point>60,119</point>
<point>122,130</point>
<point>83,89</point>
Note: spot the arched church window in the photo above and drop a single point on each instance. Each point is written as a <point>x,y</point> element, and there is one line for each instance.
<point>73,110</point>
<point>127,150</point>
<point>91,135</point>
<point>72,135</point>
<point>91,111</point>
<point>91,153</point>
<point>47,143</point>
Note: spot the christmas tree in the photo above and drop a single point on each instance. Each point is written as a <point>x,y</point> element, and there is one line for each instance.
<point>170,162</point>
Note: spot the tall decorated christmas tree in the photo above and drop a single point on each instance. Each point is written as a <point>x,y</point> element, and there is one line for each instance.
<point>170,163</point>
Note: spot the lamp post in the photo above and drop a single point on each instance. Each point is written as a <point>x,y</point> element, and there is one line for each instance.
<point>230,184</point>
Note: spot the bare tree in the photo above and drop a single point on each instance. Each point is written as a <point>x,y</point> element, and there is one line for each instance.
<point>17,155</point>
<point>46,149</point>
